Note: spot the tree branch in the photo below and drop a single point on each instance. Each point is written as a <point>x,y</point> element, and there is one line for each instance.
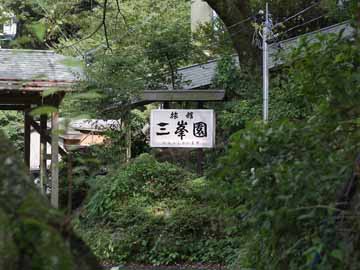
<point>104,24</point>
<point>119,12</point>
<point>85,38</point>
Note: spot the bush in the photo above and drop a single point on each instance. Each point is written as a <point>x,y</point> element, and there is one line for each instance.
<point>33,234</point>
<point>151,212</point>
<point>285,177</point>
<point>271,201</point>
<point>286,181</point>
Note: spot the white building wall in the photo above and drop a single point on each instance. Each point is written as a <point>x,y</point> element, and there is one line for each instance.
<point>201,13</point>
<point>35,151</point>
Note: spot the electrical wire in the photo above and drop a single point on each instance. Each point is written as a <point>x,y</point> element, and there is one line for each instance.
<point>300,25</point>
<point>132,30</point>
<point>297,14</point>
<point>240,22</point>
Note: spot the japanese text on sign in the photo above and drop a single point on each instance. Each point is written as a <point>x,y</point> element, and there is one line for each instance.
<point>182,128</point>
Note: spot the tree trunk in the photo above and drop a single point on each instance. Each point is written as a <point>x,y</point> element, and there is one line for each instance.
<point>231,13</point>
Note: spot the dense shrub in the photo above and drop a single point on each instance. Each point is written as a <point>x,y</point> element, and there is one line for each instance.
<point>285,183</point>
<point>11,125</point>
<point>32,234</point>
<point>285,177</point>
<point>271,201</point>
<point>152,212</point>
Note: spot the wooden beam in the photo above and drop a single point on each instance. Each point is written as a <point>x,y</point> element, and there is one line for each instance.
<point>13,107</point>
<point>28,98</point>
<point>150,96</point>
<point>6,99</point>
<point>30,88</point>
<point>43,153</point>
<point>55,160</point>
<point>183,95</point>
<point>27,139</point>
<point>34,86</point>
<point>36,126</point>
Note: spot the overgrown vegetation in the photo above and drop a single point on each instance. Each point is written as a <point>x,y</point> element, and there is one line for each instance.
<point>11,124</point>
<point>150,212</point>
<point>33,235</point>
<point>271,203</point>
<point>272,196</point>
<point>285,177</point>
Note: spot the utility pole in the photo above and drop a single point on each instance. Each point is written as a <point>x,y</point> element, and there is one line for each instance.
<point>266,32</point>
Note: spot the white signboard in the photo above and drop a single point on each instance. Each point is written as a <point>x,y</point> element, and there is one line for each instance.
<point>182,128</point>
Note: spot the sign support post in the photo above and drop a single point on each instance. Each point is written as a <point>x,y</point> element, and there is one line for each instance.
<point>266,31</point>
<point>200,151</point>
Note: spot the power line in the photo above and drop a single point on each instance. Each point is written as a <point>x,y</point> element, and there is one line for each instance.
<point>300,25</point>
<point>240,22</point>
<point>297,14</point>
<point>210,44</point>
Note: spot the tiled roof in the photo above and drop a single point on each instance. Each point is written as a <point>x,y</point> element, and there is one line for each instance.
<point>37,65</point>
<point>199,75</point>
<point>202,75</point>
<point>286,45</point>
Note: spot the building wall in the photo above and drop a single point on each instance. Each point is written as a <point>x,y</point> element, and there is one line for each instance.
<point>35,151</point>
<point>201,13</point>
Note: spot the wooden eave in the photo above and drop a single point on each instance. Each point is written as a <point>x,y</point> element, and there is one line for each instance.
<point>182,95</point>
<point>17,93</point>
<point>34,85</point>
<point>150,96</point>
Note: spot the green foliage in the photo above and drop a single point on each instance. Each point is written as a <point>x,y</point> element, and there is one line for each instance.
<point>243,94</point>
<point>268,205</point>
<point>284,177</point>
<point>271,201</point>
<point>214,39</point>
<point>44,23</point>
<point>145,44</point>
<point>168,47</point>
<point>33,235</point>
<point>332,81</point>
<point>151,212</point>
<point>228,75</point>
<point>84,165</point>
<point>39,30</point>
<point>11,124</point>
<point>43,110</point>
<point>144,177</point>
<point>322,79</point>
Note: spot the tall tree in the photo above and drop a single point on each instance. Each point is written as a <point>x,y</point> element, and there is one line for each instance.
<point>234,13</point>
